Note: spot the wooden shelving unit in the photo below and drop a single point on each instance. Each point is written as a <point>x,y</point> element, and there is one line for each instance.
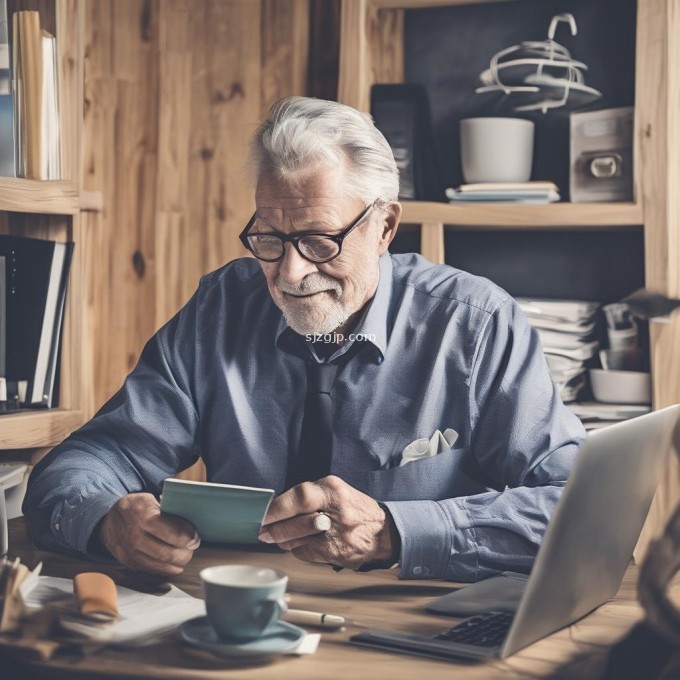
<point>371,51</point>
<point>51,209</point>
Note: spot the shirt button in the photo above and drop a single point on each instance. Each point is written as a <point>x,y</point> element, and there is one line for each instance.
<point>417,571</point>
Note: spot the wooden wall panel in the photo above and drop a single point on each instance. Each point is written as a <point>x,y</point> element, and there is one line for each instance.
<point>119,159</point>
<point>175,251</point>
<point>226,93</point>
<point>173,91</point>
<point>657,101</point>
<point>371,50</point>
<point>386,30</point>
<point>285,49</point>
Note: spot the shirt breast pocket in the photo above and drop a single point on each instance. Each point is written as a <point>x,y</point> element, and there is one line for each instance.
<point>449,474</point>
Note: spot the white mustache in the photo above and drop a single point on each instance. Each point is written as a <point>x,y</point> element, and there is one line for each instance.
<point>313,283</point>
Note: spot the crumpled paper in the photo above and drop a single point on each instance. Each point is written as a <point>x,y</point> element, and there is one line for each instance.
<point>21,632</point>
<point>427,448</point>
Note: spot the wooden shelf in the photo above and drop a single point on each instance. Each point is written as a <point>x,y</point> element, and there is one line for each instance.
<point>554,215</point>
<point>424,4</point>
<point>58,197</point>
<point>33,429</point>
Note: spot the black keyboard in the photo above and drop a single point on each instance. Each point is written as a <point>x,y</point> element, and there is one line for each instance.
<point>484,630</point>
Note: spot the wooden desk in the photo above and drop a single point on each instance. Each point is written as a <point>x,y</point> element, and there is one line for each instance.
<point>377,599</point>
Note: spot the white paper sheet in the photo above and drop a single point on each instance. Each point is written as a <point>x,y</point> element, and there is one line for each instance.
<point>143,617</point>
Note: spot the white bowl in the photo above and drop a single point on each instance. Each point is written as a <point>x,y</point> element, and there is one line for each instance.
<point>621,387</point>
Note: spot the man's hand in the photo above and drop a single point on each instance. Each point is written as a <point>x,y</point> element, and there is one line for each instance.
<point>138,536</point>
<point>361,531</point>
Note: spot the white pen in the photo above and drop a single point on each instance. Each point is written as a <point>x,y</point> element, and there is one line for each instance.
<point>305,618</point>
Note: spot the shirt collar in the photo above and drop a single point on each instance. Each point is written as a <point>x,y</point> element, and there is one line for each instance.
<point>373,323</point>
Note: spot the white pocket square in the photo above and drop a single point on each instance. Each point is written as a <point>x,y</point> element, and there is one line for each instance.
<point>426,448</point>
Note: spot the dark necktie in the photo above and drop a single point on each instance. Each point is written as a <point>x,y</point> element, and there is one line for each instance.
<point>314,455</point>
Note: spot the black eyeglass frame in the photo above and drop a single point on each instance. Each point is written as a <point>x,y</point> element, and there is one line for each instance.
<point>295,238</point>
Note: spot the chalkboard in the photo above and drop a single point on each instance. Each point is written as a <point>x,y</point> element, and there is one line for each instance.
<point>602,266</point>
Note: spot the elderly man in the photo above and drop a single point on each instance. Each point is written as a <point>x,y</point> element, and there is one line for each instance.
<point>309,369</point>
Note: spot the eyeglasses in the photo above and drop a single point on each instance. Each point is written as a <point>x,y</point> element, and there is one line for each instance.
<point>313,246</point>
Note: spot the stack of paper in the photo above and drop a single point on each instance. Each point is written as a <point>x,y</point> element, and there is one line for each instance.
<point>566,329</point>
<point>595,415</point>
<point>505,192</point>
<point>16,581</point>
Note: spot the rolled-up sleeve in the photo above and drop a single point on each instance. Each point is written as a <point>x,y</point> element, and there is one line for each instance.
<point>143,434</point>
<point>524,440</point>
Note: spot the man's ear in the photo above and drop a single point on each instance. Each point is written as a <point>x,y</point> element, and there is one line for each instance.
<point>391,214</point>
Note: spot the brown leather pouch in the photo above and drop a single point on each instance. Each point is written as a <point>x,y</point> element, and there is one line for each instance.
<point>97,596</point>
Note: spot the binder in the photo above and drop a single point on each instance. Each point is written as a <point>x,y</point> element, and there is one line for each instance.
<point>37,276</point>
<point>402,113</point>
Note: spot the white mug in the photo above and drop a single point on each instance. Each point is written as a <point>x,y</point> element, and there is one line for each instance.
<point>496,149</point>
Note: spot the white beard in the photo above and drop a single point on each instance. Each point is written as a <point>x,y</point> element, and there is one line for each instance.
<point>322,316</point>
<point>320,313</point>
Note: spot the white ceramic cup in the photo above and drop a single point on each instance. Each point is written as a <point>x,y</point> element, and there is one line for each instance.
<point>496,149</point>
<point>243,601</point>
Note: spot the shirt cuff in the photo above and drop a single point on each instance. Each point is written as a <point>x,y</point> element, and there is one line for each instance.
<point>432,537</point>
<point>73,522</point>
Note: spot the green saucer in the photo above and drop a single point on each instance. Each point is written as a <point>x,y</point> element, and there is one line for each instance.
<point>279,638</point>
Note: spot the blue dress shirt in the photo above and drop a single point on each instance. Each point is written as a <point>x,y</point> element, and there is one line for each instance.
<point>224,379</point>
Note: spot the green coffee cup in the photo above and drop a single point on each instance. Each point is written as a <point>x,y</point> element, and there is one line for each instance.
<point>243,601</point>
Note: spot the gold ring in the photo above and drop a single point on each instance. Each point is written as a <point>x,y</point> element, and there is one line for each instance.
<point>322,522</point>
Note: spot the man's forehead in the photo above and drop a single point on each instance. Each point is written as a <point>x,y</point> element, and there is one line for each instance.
<point>307,217</point>
<point>322,186</point>
<point>317,198</point>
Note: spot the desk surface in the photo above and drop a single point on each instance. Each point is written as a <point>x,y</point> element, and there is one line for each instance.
<point>378,599</point>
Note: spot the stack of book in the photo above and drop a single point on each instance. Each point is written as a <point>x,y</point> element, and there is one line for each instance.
<point>32,297</point>
<point>34,100</point>
<point>505,192</point>
<point>567,332</point>
<point>595,415</point>
<point>6,110</point>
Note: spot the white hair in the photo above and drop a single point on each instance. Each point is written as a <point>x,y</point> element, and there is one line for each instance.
<point>302,133</point>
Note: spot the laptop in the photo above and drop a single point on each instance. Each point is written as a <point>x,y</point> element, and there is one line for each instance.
<point>581,561</point>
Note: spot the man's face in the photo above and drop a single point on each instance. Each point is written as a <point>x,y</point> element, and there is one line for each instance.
<point>318,298</point>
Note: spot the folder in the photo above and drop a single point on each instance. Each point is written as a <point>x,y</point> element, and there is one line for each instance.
<point>36,282</point>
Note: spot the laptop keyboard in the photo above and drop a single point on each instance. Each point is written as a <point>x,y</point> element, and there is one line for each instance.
<point>484,630</point>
